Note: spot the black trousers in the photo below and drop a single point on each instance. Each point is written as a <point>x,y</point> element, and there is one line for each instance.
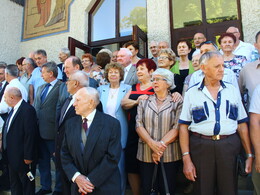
<point>215,163</point>
<point>20,183</point>
<point>146,171</point>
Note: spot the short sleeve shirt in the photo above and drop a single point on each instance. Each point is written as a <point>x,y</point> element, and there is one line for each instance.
<point>255,101</point>
<point>206,116</point>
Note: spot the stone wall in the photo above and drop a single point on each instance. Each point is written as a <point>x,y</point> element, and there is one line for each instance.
<point>250,11</point>
<point>10,32</point>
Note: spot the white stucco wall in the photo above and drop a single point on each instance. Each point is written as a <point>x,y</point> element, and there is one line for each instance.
<point>250,11</point>
<point>10,32</point>
<point>78,30</point>
<point>158,21</point>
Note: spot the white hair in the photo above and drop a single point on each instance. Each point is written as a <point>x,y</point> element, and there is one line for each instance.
<point>108,51</point>
<point>168,75</point>
<point>127,51</point>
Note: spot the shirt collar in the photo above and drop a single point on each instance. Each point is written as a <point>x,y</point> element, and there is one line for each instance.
<point>18,104</point>
<point>128,68</point>
<point>91,116</point>
<point>201,85</point>
<point>53,82</point>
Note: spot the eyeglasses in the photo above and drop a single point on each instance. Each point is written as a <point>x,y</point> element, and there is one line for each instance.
<point>163,57</point>
<point>85,61</point>
<point>157,79</point>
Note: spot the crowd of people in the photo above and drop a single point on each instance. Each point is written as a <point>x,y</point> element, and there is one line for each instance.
<point>115,118</point>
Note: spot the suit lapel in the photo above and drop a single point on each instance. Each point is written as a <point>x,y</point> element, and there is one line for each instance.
<point>121,93</point>
<point>70,110</point>
<point>95,130</point>
<point>77,141</point>
<point>130,74</point>
<point>49,95</point>
<point>105,93</point>
<point>17,112</point>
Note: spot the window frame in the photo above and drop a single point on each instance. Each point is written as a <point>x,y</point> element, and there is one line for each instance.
<point>205,27</point>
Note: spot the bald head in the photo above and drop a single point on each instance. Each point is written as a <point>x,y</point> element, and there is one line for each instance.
<point>12,96</point>
<point>86,100</point>
<point>235,32</point>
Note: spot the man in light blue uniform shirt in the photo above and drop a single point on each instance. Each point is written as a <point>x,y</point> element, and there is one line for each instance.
<point>212,128</point>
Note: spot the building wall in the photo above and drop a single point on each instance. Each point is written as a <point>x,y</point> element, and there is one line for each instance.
<point>157,20</point>
<point>250,11</point>
<point>77,29</point>
<point>10,33</point>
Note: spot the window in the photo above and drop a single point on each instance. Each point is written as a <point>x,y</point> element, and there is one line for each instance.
<point>111,21</point>
<point>211,17</point>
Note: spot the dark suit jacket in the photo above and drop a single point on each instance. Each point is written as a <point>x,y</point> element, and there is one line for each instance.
<point>64,77</point>
<point>99,160</point>
<point>3,90</point>
<point>46,111</point>
<point>64,94</point>
<point>4,116</point>
<point>60,133</point>
<point>22,137</point>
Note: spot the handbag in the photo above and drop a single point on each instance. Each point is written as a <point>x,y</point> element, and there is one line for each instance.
<point>166,187</point>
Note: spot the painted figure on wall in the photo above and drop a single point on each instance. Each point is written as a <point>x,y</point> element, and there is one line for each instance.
<point>43,17</point>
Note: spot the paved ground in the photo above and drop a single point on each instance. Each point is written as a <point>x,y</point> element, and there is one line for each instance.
<point>244,185</point>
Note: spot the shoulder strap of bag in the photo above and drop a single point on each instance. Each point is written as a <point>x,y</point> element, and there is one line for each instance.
<point>164,177</point>
<point>154,177</point>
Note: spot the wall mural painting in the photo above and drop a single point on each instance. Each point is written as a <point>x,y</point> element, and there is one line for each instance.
<point>43,17</point>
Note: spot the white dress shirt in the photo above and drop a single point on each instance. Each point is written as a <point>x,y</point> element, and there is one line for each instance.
<point>4,108</point>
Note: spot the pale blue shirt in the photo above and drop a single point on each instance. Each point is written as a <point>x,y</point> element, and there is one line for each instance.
<point>203,114</point>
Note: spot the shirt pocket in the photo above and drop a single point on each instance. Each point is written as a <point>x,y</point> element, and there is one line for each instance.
<point>232,111</point>
<point>199,114</point>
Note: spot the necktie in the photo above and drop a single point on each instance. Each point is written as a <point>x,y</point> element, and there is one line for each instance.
<point>64,108</point>
<point>45,91</point>
<point>85,124</point>
<point>6,127</point>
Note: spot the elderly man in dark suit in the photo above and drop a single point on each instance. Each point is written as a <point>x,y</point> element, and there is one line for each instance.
<point>91,148</point>
<point>75,82</point>
<point>45,104</point>
<point>19,142</point>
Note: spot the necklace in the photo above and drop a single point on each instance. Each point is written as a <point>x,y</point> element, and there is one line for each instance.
<point>160,100</point>
<point>113,92</point>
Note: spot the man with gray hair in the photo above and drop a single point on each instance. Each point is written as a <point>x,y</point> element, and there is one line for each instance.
<point>11,76</point>
<point>63,55</point>
<point>76,81</point>
<point>124,58</point>
<point>91,148</point>
<point>208,124</point>
<point>45,105</point>
<point>28,65</point>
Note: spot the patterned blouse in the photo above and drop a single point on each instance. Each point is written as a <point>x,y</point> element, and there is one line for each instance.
<point>236,64</point>
<point>158,122</point>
